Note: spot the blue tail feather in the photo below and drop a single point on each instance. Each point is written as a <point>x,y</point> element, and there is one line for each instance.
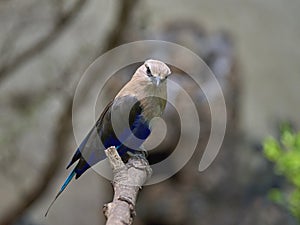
<point>63,187</point>
<point>68,180</point>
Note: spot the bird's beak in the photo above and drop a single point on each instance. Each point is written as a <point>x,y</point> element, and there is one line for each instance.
<point>157,81</point>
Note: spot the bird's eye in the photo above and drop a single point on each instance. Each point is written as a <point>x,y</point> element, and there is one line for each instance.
<point>149,74</point>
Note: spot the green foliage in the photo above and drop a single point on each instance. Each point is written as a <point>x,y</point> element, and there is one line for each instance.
<point>285,154</point>
<point>276,196</point>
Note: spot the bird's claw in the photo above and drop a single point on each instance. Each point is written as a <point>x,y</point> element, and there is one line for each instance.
<point>141,153</point>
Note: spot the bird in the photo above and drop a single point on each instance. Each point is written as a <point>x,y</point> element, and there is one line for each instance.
<point>125,122</point>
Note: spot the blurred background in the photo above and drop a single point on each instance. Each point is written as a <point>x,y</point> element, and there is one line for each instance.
<point>45,46</point>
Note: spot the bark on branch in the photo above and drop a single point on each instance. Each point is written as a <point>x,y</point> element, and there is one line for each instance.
<point>127,180</point>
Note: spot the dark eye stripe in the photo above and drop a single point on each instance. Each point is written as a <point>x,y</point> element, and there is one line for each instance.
<point>149,74</point>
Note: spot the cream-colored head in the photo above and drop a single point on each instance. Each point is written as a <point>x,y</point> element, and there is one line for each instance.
<point>149,79</point>
<point>153,71</point>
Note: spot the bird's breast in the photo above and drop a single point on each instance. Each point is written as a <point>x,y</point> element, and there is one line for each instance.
<point>152,107</point>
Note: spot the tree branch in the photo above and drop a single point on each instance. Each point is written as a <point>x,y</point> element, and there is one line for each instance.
<point>128,179</point>
<point>121,24</point>
<point>44,42</point>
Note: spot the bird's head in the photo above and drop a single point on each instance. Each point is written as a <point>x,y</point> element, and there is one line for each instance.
<point>154,71</point>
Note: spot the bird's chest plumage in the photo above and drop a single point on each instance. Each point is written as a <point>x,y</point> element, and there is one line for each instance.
<point>152,107</point>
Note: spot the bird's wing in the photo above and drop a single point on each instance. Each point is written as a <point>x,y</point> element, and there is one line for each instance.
<point>91,149</point>
<point>120,124</point>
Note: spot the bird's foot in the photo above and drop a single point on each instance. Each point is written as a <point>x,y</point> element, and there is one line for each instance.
<point>141,153</point>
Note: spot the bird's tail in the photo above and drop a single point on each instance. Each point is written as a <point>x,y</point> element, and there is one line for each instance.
<point>63,187</point>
